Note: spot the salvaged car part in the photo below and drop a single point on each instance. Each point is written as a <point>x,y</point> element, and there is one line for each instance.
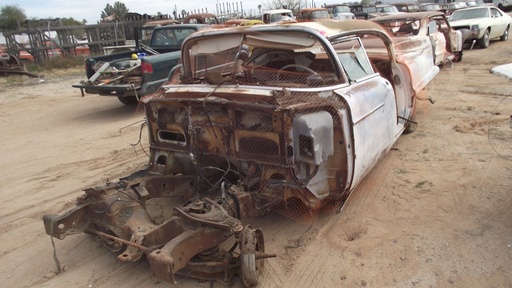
<point>285,118</point>
<point>10,65</point>
<point>186,241</point>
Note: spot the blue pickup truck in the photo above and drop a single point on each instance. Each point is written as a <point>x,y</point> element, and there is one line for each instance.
<point>132,74</point>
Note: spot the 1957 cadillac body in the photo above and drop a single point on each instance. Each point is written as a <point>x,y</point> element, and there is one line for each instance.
<point>285,118</point>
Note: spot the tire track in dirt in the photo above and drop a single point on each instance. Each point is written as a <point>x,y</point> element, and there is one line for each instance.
<point>97,168</point>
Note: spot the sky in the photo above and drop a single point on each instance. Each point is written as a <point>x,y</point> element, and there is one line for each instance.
<point>90,10</point>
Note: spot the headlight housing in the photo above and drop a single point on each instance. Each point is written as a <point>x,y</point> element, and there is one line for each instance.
<point>475,29</point>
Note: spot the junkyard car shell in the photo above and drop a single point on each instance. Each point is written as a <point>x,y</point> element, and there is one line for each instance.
<point>408,82</point>
<point>312,14</point>
<point>430,28</point>
<point>285,117</point>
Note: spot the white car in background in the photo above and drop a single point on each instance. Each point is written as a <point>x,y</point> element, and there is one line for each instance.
<point>483,22</point>
<point>340,12</point>
<point>277,16</point>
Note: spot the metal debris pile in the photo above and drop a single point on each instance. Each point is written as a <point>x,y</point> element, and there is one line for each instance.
<point>10,65</point>
<point>120,72</point>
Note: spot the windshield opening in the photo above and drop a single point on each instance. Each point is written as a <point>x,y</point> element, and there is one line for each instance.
<point>282,59</point>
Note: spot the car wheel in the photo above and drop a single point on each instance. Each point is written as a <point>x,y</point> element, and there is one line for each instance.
<point>484,41</point>
<point>504,37</point>
<point>127,100</point>
<point>410,126</point>
<point>458,57</point>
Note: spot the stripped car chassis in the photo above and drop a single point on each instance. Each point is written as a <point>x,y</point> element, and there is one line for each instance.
<point>189,242</point>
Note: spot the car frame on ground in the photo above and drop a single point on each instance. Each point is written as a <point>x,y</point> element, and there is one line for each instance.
<point>483,22</point>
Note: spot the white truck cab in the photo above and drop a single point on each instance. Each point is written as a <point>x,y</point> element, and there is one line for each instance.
<point>276,16</point>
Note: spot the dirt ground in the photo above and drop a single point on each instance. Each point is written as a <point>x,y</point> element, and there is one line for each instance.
<point>435,212</point>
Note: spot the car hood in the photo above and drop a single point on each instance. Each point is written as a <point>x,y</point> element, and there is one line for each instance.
<point>465,22</point>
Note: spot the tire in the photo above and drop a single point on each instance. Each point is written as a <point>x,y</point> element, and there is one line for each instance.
<point>504,37</point>
<point>459,57</point>
<point>128,100</point>
<point>484,41</point>
<point>411,126</point>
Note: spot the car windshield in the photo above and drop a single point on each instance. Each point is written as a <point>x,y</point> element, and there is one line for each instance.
<point>278,59</point>
<point>469,14</point>
<point>320,14</point>
<point>341,9</point>
<point>402,27</point>
<point>430,7</point>
<point>370,9</point>
<point>387,9</point>
<point>170,37</point>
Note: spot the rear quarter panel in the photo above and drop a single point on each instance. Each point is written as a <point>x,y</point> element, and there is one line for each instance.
<point>162,65</point>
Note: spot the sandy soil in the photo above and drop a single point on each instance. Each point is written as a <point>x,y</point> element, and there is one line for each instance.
<point>435,212</point>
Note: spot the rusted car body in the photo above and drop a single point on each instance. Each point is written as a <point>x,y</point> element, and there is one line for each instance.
<point>286,118</point>
<point>312,14</point>
<point>202,18</point>
<point>242,22</point>
<point>429,32</point>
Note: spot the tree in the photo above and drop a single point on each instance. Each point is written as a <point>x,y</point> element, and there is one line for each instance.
<point>293,5</point>
<point>118,9</point>
<point>78,33</point>
<point>10,17</point>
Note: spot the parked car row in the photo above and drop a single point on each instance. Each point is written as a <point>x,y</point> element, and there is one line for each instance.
<point>478,23</point>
